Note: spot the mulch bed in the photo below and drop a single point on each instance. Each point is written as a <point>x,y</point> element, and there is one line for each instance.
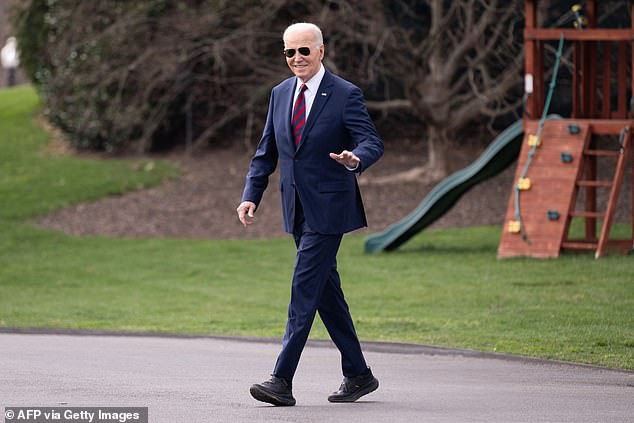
<point>201,203</point>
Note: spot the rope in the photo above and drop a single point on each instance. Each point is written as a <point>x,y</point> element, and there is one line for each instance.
<point>553,83</point>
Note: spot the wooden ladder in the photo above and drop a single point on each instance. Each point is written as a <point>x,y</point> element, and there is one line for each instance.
<point>590,242</point>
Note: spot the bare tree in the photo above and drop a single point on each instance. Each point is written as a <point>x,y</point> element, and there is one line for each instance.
<point>136,75</point>
<point>450,63</point>
<point>117,75</point>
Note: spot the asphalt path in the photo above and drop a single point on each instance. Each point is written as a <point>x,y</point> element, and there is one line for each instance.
<point>190,380</point>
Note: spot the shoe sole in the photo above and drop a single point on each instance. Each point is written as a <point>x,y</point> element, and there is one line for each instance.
<point>265,396</point>
<point>352,398</point>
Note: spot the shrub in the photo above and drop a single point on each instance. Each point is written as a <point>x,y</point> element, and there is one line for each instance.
<point>117,75</point>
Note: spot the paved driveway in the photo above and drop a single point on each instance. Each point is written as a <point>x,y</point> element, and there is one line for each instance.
<point>207,380</point>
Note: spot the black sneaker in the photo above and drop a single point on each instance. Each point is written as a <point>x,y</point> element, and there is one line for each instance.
<point>276,391</point>
<point>353,388</point>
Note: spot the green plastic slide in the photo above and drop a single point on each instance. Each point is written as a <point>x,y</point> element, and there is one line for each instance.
<point>500,154</point>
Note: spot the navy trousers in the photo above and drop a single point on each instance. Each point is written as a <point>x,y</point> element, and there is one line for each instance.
<point>316,287</point>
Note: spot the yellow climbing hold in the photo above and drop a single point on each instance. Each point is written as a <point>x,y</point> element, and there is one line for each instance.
<point>524,184</point>
<point>513,227</point>
<point>532,140</point>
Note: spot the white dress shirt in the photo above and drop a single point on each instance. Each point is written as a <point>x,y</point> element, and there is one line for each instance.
<point>311,89</point>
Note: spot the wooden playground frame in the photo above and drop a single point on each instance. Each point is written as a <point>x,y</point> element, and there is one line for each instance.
<point>593,76</point>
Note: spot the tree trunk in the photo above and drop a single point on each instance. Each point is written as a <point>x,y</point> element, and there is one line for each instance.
<point>438,151</point>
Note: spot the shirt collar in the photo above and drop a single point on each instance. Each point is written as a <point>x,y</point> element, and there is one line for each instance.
<point>313,83</point>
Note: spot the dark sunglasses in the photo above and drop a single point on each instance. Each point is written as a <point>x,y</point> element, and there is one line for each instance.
<point>290,52</point>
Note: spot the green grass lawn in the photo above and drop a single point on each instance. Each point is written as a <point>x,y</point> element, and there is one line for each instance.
<point>444,288</point>
<point>33,182</point>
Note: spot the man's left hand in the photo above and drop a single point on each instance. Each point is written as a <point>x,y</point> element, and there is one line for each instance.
<point>346,158</point>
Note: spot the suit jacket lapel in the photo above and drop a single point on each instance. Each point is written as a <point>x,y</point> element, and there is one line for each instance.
<point>321,98</point>
<point>287,99</point>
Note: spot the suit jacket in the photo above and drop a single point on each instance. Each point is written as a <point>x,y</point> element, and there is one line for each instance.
<point>328,192</point>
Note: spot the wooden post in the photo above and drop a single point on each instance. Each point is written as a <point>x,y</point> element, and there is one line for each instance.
<point>586,78</point>
<point>622,80</point>
<point>592,95</point>
<point>606,108</point>
<point>587,107</point>
<point>614,196</point>
<point>591,13</point>
<point>592,61</point>
<point>539,76</point>
<point>530,55</point>
<point>583,95</point>
<point>576,62</point>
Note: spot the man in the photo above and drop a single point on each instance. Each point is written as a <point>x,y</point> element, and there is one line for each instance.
<point>319,129</point>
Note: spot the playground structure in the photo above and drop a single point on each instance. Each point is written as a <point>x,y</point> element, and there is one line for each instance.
<point>564,155</point>
<point>557,157</point>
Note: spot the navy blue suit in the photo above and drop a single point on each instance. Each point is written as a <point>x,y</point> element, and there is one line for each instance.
<point>320,202</point>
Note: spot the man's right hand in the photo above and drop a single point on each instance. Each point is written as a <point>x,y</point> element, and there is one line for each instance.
<point>245,210</point>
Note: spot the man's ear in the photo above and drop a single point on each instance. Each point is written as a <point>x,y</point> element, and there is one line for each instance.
<point>322,50</point>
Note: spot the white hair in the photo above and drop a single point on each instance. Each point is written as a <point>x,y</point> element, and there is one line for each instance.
<point>305,26</point>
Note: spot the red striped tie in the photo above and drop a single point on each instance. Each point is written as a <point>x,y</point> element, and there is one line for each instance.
<point>299,115</point>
